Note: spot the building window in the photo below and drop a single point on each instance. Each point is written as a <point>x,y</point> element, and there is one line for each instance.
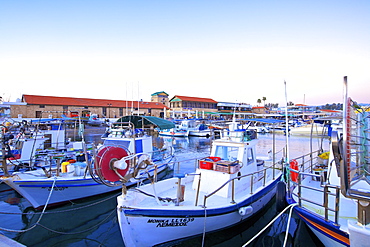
<point>38,114</point>
<point>121,111</point>
<point>42,106</point>
<point>104,110</point>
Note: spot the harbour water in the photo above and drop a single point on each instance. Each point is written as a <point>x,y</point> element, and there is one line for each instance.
<point>93,221</point>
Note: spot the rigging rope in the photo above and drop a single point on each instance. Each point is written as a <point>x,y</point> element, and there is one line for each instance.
<point>67,210</point>
<point>273,220</point>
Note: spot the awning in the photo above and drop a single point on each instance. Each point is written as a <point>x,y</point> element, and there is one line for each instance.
<point>148,120</point>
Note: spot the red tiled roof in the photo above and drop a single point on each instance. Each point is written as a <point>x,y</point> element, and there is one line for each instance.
<point>258,107</point>
<point>196,99</point>
<point>69,101</point>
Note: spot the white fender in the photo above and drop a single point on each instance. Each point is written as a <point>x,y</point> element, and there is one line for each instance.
<point>245,210</point>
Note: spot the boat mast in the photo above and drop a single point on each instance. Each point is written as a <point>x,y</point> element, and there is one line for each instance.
<point>3,159</point>
<point>286,124</point>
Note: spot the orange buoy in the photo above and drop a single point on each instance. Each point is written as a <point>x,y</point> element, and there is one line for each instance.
<point>294,166</point>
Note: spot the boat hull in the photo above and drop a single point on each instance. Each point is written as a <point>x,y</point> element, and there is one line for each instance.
<point>65,189</point>
<point>326,231</point>
<point>182,222</point>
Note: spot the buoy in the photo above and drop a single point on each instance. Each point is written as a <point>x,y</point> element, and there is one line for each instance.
<point>294,175</point>
<point>280,196</point>
<point>104,163</point>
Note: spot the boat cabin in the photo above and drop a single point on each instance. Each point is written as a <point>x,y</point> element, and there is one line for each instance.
<point>228,160</point>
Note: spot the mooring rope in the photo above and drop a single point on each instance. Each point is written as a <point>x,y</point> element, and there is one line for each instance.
<point>204,226</point>
<point>291,206</point>
<point>41,215</point>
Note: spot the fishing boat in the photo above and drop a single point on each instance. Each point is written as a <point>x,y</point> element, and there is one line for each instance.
<point>197,128</point>
<point>22,141</point>
<point>95,121</point>
<point>177,131</point>
<point>227,187</point>
<point>330,191</point>
<point>319,127</point>
<point>70,175</point>
<point>188,127</point>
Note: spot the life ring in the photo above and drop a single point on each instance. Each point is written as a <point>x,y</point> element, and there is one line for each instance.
<point>293,174</point>
<point>105,158</point>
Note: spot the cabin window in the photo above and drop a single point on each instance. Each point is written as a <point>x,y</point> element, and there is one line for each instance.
<point>250,156</point>
<point>227,153</point>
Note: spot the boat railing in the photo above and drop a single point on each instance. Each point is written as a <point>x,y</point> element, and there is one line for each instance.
<point>232,181</point>
<point>306,165</point>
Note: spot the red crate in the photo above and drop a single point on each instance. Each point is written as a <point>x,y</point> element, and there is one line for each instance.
<point>206,165</point>
<point>215,159</point>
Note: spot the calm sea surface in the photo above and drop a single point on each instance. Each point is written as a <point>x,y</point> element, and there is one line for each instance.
<point>93,221</point>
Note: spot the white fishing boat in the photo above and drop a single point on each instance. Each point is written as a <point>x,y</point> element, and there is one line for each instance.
<point>330,192</point>
<point>70,175</point>
<point>197,128</point>
<point>188,127</point>
<point>318,127</point>
<point>174,132</point>
<point>22,141</point>
<point>226,188</point>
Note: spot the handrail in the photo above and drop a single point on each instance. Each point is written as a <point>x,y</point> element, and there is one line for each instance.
<point>323,185</point>
<point>233,186</point>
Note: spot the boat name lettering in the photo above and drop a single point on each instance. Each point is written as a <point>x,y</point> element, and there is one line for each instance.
<point>55,188</point>
<point>171,222</point>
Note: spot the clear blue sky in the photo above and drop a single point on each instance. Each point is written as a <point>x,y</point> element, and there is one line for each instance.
<point>236,51</point>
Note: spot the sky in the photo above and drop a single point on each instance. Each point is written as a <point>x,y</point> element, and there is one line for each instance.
<point>230,51</point>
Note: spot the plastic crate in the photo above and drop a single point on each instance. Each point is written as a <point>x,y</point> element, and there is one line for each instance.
<point>208,163</point>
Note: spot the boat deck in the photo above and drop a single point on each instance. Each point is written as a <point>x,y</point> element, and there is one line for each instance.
<point>192,198</point>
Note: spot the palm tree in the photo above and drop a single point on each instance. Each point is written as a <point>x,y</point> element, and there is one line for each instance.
<point>259,101</point>
<point>263,99</point>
